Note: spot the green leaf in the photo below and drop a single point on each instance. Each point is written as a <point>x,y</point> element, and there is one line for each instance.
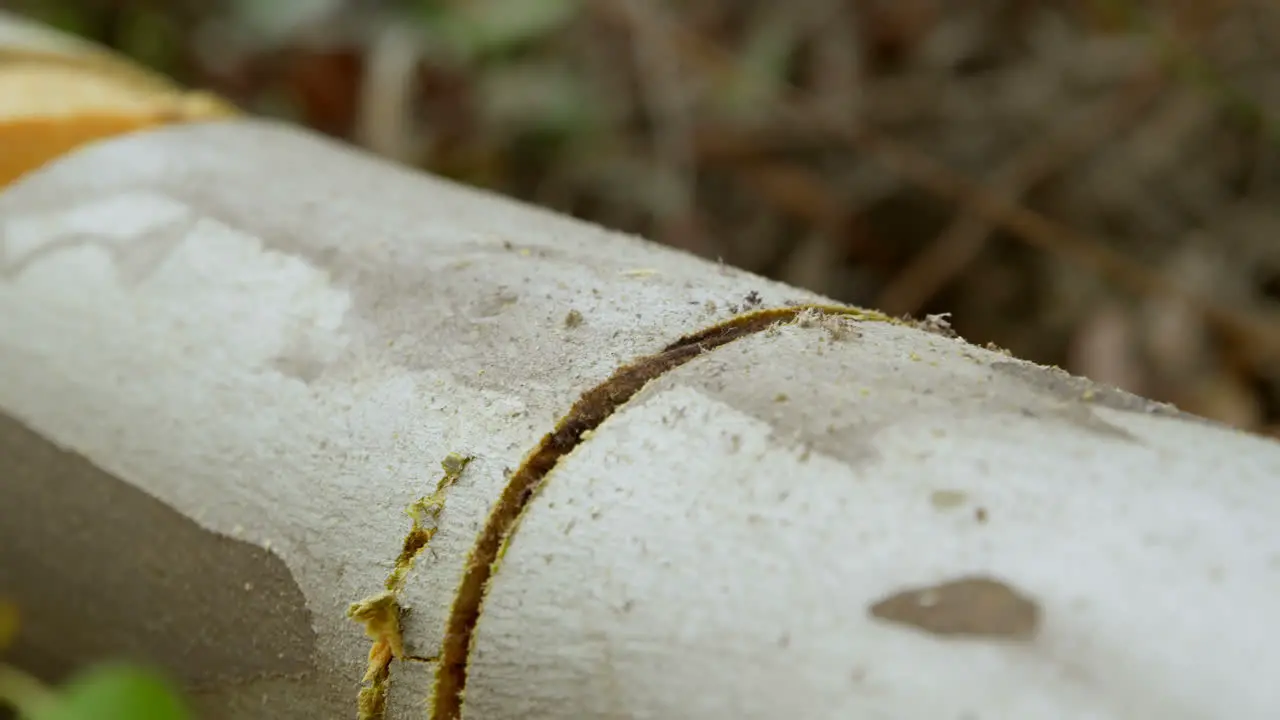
<point>8,623</point>
<point>546,98</point>
<point>278,21</point>
<point>498,25</point>
<point>759,78</point>
<point>116,692</point>
<point>479,30</point>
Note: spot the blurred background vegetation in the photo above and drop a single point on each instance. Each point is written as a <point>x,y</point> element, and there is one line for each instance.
<point>1093,184</point>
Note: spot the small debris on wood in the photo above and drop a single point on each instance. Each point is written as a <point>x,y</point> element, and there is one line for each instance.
<point>967,607</point>
<point>938,324</point>
<point>838,327</point>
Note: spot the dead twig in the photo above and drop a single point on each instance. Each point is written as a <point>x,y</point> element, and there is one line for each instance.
<point>1257,338</point>
<point>964,239</point>
<point>658,66</point>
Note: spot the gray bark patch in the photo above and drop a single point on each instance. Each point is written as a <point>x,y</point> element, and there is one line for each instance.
<point>102,570</point>
<point>972,607</point>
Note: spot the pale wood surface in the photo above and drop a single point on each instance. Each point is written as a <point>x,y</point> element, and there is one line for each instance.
<point>233,354</point>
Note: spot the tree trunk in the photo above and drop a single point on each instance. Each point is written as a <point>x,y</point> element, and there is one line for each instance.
<point>324,437</point>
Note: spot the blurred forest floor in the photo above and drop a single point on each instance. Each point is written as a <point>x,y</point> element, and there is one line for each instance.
<point>1091,184</point>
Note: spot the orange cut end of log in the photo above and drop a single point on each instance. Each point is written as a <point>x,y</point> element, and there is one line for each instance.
<point>50,107</point>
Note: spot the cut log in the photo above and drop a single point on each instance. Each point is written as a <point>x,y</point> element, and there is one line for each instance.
<point>58,93</point>
<point>326,438</point>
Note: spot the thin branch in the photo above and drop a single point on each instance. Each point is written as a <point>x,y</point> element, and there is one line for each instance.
<point>658,64</point>
<point>963,241</point>
<point>1258,338</point>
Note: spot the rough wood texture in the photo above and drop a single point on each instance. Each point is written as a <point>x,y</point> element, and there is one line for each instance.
<point>233,355</point>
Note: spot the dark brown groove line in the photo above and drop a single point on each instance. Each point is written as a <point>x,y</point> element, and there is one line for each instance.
<point>591,409</point>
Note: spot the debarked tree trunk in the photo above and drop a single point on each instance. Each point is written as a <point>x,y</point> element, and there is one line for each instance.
<point>322,436</point>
